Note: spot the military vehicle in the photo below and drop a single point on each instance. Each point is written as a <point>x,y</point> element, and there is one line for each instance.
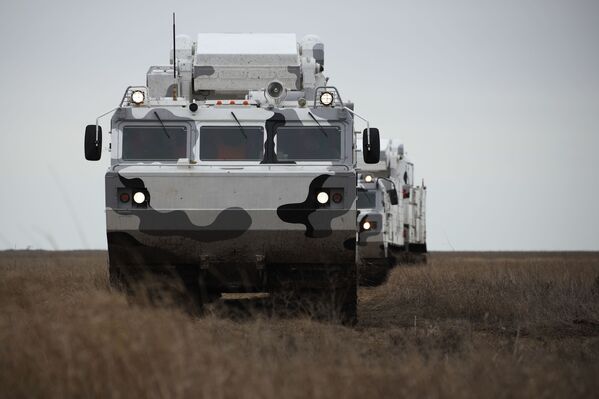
<point>374,258</point>
<point>407,222</point>
<point>391,229</point>
<point>233,170</point>
<point>375,190</point>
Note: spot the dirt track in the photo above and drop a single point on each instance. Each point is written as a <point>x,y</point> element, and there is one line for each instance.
<point>465,325</point>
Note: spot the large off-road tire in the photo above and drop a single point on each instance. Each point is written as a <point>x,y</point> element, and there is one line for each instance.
<point>164,287</point>
<point>347,297</point>
<point>373,273</point>
<point>325,293</point>
<point>338,297</point>
<point>119,279</point>
<point>415,255</point>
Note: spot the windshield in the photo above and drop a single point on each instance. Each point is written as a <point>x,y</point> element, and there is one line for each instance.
<point>303,143</point>
<point>154,143</point>
<point>366,199</point>
<point>231,143</point>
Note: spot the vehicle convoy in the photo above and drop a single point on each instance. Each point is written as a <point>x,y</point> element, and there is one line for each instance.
<point>390,229</point>
<point>233,170</point>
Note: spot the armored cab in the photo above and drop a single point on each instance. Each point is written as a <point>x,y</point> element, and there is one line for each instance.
<point>233,170</point>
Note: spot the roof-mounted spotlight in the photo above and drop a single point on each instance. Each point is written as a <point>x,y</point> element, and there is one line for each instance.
<point>326,98</point>
<point>138,97</point>
<point>275,92</point>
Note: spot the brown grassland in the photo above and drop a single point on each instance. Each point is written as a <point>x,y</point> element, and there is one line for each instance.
<point>470,325</point>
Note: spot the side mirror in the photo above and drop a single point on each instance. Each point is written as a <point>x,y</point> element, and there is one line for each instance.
<point>393,196</point>
<point>372,152</point>
<point>93,147</point>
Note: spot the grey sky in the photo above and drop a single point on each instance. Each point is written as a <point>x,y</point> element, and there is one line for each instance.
<point>497,103</point>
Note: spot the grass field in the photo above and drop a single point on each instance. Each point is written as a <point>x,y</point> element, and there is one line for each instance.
<point>464,325</point>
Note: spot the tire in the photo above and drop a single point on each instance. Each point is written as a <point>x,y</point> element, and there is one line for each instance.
<point>373,273</point>
<point>178,288</point>
<point>349,302</point>
<point>340,298</point>
<point>323,292</point>
<point>118,279</point>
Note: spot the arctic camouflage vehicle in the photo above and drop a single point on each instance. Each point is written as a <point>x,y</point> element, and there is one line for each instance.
<point>375,259</point>
<point>233,170</point>
<point>375,190</point>
<point>407,222</point>
<point>390,229</point>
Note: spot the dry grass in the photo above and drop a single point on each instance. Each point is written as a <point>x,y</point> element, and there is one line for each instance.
<point>465,325</point>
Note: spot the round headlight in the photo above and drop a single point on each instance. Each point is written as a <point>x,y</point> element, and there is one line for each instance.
<point>137,97</point>
<point>368,179</point>
<point>322,197</point>
<point>366,225</point>
<point>139,197</point>
<point>326,98</point>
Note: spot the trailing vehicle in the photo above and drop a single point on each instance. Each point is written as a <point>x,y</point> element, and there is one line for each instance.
<point>407,222</point>
<point>375,259</point>
<point>392,228</point>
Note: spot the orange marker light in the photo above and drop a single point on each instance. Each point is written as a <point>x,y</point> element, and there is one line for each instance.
<point>219,102</point>
<point>246,102</point>
<point>232,102</point>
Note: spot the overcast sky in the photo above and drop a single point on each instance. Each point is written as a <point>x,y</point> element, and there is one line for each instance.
<point>497,103</point>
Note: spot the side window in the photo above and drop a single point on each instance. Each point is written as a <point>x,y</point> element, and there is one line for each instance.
<point>154,143</point>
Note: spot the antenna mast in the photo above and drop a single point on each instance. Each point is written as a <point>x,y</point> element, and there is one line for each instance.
<point>174,51</point>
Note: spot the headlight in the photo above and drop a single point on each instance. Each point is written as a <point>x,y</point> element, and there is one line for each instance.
<point>137,97</point>
<point>368,179</point>
<point>326,98</point>
<point>139,197</point>
<point>322,197</point>
<point>369,225</point>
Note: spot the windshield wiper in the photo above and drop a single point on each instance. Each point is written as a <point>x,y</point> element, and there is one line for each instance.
<point>163,127</point>
<point>241,127</point>
<point>318,123</point>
